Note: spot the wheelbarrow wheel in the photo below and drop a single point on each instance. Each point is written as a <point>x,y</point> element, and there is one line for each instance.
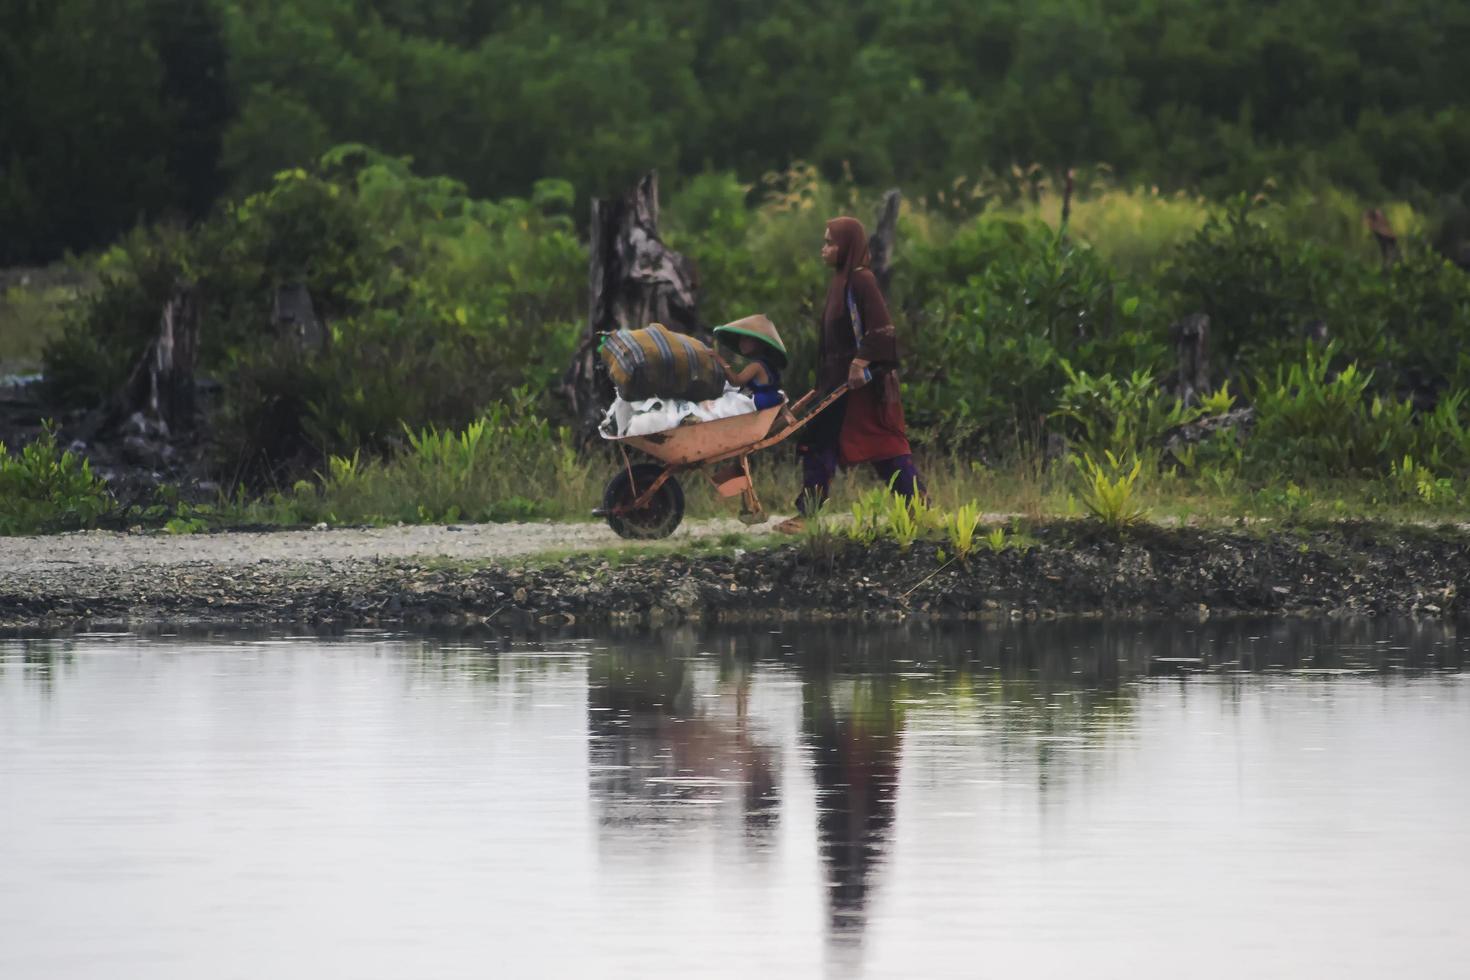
<point>657,520</point>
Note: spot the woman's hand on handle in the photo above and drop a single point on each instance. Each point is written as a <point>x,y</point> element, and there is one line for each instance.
<point>855,377</point>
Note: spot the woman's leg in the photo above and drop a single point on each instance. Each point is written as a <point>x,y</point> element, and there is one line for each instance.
<point>819,456</point>
<point>903,474</point>
<point>818,467</point>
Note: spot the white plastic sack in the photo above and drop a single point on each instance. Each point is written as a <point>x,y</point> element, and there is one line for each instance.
<point>641,418</point>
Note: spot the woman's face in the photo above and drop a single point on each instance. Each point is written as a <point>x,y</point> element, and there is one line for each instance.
<point>829,248</point>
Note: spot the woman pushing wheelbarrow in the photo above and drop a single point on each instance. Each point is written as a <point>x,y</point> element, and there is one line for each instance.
<point>852,416</point>
<point>857,353</point>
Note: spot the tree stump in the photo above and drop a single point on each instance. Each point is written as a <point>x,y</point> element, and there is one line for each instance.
<point>1177,441</point>
<point>880,243</point>
<point>1191,337</point>
<point>162,384</point>
<point>633,280</point>
<point>294,315</point>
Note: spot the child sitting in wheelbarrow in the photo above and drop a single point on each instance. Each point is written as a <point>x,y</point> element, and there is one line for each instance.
<point>755,339</point>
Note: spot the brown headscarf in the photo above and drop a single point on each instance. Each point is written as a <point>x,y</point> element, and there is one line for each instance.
<point>852,255</point>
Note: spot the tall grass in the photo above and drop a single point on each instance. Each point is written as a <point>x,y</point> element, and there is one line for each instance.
<point>510,464</point>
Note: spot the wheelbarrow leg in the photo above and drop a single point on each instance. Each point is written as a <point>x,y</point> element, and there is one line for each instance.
<point>750,504</point>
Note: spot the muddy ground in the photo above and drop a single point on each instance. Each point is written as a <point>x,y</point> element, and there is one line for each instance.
<point>499,573</point>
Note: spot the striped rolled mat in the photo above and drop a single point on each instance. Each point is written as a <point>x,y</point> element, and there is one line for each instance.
<point>657,362</point>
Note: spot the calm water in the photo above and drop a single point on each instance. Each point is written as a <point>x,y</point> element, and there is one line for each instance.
<point>1233,800</point>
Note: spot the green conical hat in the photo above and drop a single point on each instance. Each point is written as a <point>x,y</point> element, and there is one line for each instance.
<point>759,327</point>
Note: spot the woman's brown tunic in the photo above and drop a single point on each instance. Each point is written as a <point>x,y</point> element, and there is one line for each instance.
<point>873,425</point>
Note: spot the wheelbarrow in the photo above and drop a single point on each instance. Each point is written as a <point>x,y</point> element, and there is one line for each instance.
<point>644,500</point>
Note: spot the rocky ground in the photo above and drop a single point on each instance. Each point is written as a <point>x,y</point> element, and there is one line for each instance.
<point>501,573</point>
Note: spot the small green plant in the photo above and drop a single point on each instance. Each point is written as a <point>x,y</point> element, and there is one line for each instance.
<point>186,525</point>
<point>45,488</point>
<point>1290,501</point>
<point>1411,481</point>
<point>903,523</point>
<point>930,520</point>
<point>997,540</point>
<point>1217,402</point>
<point>868,513</point>
<point>342,472</point>
<point>1108,490</point>
<point>959,526</point>
<point>819,537</point>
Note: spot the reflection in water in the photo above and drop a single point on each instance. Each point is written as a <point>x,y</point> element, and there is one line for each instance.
<point>1030,800</point>
<point>657,747</point>
<point>854,731</point>
<point>1045,700</point>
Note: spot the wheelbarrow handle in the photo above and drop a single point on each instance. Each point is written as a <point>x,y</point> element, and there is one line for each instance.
<point>810,396</point>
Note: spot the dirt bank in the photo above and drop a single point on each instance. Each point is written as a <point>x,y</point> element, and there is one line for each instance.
<point>439,575</point>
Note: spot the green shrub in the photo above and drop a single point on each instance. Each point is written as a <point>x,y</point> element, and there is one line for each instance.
<point>1311,420</point>
<point>1118,416</point>
<point>1258,289</point>
<point>1444,435</point>
<point>995,312</point>
<point>1262,289</point>
<point>106,332</point>
<point>45,488</point>
<point>436,304</point>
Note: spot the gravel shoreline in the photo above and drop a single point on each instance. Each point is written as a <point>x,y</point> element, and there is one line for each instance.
<point>482,574</point>
<point>22,556</point>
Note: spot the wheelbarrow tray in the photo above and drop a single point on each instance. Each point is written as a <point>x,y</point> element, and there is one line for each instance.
<point>698,442</point>
<point>645,500</point>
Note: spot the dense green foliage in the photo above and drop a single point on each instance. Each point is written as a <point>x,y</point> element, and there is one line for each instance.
<point>434,303</point>
<point>121,109</point>
<point>442,306</point>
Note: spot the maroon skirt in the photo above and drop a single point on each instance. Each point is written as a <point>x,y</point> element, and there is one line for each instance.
<point>873,427</point>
